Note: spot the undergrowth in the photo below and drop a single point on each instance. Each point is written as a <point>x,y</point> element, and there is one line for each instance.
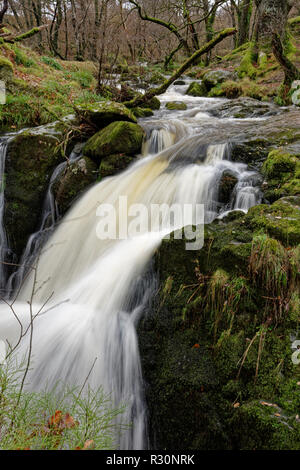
<point>63,419</point>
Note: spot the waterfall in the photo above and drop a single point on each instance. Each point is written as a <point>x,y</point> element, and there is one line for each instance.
<point>92,292</point>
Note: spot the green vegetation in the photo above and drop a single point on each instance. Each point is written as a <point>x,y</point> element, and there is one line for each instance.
<point>65,418</point>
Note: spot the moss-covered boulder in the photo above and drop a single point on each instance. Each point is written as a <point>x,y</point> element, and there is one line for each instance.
<point>215,77</point>
<point>216,343</point>
<point>31,159</point>
<point>103,113</point>
<point>6,70</point>
<point>197,89</point>
<point>176,105</point>
<point>142,112</point>
<point>153,103</point>
<point>281,170</point>
<point>281,220</point>
<point>119,137</point>
<point>70,185</point>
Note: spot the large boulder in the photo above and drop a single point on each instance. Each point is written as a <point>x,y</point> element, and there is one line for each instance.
<point>215,77</point>
<point>281,170</point>
<point>207,374</point>
<point>71,184</point>
<point>197,89</point>
<point>6,70</point>
<point>103,113</point>
<point>117,138</point>
<point>31,159</point>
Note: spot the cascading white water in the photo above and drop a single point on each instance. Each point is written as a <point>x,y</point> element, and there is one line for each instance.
<point>50,216</point>
<point>93,290</point>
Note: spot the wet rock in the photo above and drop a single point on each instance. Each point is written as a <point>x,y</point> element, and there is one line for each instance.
<point>31,159</point>
<point>197,89</point>
<point>119,137</point>
<point>227,185</point>
<point>180,83</point>
<point>176,105</point>
<point>142,112</point>
<point>76,178</point>
<point>113,164</point>
<point>242,108</point>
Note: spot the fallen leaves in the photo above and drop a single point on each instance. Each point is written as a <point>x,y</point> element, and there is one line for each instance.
<point>88,445</point>
<point>265,403</point>
<point>59,422</point>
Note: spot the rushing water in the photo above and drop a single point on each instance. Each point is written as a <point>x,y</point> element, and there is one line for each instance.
<point>93,292</point>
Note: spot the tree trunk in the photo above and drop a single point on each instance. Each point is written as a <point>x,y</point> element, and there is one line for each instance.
<point>244,18</point>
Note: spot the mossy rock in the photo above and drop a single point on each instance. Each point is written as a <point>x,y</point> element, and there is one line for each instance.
<point>176,105</point>
<point>226,187</point>
<point>113,164</point>
<point>142,112</point>
<point>31,160</point>
<point>103,113</point>
<point>197,89</point>
<point>153,103</point>
<point>261,425</point>
<point>118,137</point>
<point>215,77</point>
<point>281,220</point>
<point>208,312</point>
<point>279,163</point>
<point>6,70</point>
<point>282,172</point>
<point>77,177</point>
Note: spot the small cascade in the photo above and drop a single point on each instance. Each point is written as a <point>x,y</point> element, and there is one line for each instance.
<point>164,137</point>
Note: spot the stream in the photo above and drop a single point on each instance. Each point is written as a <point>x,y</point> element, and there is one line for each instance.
<point>93,292</point>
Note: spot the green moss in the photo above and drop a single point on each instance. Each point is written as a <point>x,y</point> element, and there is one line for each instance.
<point>281,220</point>
<point>197,89</point>
<point>246,68</point>
<point>103,113</point>
<point>176,105</point>
<point>279,163</point>
<point>119,137</point>
<point>142,112</point>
